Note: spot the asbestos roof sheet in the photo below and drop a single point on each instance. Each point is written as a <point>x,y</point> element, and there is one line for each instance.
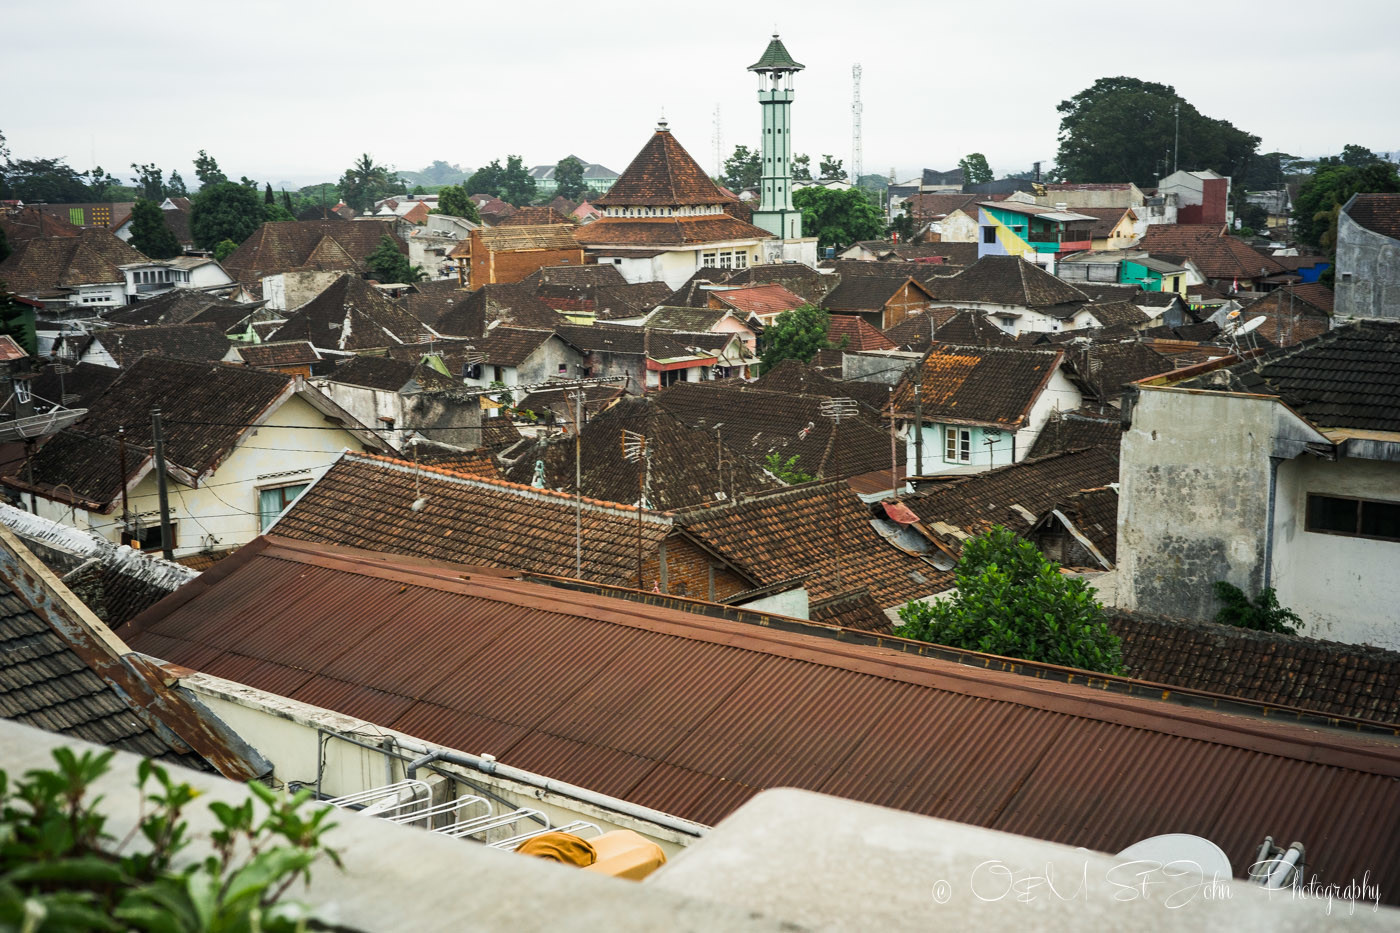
<point>693,715</point>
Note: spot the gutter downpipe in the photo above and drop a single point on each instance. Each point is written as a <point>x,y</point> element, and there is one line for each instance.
<point>488,765</point>
<point>1269,527</point>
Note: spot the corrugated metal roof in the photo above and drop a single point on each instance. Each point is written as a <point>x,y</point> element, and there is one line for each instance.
<point>693,714</point>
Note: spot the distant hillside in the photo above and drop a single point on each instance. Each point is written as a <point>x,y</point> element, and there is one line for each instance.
<point>439,173</point>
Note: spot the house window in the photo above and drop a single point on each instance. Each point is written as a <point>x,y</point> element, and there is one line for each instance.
<point>726,259</point>
<point>148,538</point>
<point>1360,518</point>
<point>563,369</point>
<point>671,377</point>
<point>989,234</point>
<point>273,502</point>
<point>741,260</point>
<point>957,445</point>
<point>708,259</point>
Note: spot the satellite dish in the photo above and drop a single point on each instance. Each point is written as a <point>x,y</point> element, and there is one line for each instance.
<point>1249,326</point>
<point>32,426</point>
<point>1181,850</point>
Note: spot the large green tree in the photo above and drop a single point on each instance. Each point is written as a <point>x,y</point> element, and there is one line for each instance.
<point>568,176</point>
<point>1013,602</point>
<point>975,169</point>
<point>838,218</point>
<point>795,335</point>
<point>18,320</point>
<point>150,233</point>
<point>101,184</point>
<point>175,186</point>
<point>150,179</point>
<point>366,182</point>
<point>802,168</point>
<point>512,183</point>
<point>225,210</point>
<point>206,169</point>
<point>486,180</point>
<point>455,201</point>
<point>1321,197</point>
<point>831,167</point>
<point>389,264</point>
<point>743,169</point>
<point>50,181</point>
<point>1123,129</point>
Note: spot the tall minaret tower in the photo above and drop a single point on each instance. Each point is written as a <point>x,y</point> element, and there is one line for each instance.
<point>775,211</point>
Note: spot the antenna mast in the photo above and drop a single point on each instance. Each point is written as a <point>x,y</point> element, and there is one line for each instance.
<point>856,107</point>
<point>719,146</point>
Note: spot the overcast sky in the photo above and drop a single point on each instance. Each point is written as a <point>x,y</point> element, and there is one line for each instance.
<point>295,90</point>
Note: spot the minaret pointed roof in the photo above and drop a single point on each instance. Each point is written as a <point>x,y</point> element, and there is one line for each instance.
<point>663,173</point>
<point>776,58</point>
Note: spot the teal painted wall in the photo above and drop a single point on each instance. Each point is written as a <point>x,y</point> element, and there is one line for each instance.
<point>1132,273</point>
<point>983,455</point>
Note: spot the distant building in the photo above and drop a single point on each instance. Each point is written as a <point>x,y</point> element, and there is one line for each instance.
<point>597,178</point>
<point>1202,197</point>
<point>1368,257</point>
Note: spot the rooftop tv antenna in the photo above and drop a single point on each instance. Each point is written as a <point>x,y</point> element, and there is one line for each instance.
<point>719,144</point>
<point>636,450</point>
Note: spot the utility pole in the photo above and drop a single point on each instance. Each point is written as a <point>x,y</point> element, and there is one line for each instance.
<point>121,448</point>
<point>894,455</point>
<point>158,438</point>
<point>918,432</point>
<point>856,109</point>
<point>578,484</point>
<point>1176,136</point>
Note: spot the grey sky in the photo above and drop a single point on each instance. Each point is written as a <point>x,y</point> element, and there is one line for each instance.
<point>295,90</point>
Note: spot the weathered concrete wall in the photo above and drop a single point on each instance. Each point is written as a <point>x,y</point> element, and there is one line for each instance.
<point>1368,272</point>
<point>288,291</point>
<point>1345,588</point>
<point>884,368</point>
<point>448,418</point>
<point>1194,499</point>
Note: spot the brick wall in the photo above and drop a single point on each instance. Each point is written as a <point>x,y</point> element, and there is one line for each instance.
<point>689,572</point>
<point>490,267</point>
<point>897,308</point>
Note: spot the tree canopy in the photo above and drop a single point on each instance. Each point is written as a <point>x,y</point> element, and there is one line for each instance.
<point>838,218</point>
<point>389,264</point>
<point>831,167</point>
<point>366,181</point>
<point>511,184</point>
<point>1123,129</point>
<point>975,169</point>
<point>150,180</point>
<point>568,177</point>
<point>455,201</point>
<point>802,168</point>
<point>1321,197</point>
<point>225,210</point>
<point>743,169</point>
<point>206,169</point>
<point>48,180</point>
<point>795,335</point>
<point>224,249</point>
<point>1013,602</point>
<point>150,233</point>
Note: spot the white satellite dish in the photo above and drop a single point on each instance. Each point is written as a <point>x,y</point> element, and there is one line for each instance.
<point>1180,851</point>
<point>32,426</point>
<point>1250,325</point>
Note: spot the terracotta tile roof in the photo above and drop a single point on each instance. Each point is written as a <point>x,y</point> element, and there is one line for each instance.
<point>601,707</point>
<point>851,332</point>
<point>1347,378</point>
<point>1379,213</point>
<point>1077,429</point>
<point>47,265</point>
<point>499,434</point>
<point>269,355</point>
<point>855,609</point>
<point>1007,280</point>
<point>1355,681</point>
<point>820,531</point>
<point>537,216</point>
<point>662,174</point>
<point>1215,252</point>
<point>759,299</point>
<point>478,463</point>
<point>351,314</point>
<point>970,505</point>
<point>325,245</point>
<point>870,292</point>
<point>29,222</point>
<point>667,231</point>
<point>683,468</point>
<point>199,342</point>
<point>366,501</point>
<point>758,422</point>
<point>978,385</point>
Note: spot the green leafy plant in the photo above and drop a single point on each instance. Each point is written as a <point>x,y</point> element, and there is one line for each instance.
<point>61,871</point>
<point>786,470</point>
<point>1263,613</point>
<point>1011,601</point>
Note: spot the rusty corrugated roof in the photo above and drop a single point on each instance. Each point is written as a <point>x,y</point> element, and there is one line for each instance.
<point>693,714</point>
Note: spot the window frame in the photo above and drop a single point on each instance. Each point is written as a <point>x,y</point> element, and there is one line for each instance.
<point>957,440</point>
<point>265,520</point>
<point>1361,502</point>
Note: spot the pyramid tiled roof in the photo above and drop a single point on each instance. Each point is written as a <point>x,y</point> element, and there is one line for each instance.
<point>47,264</point>
<point>351,314</point>
<point>291,245</point>
<point>1007,280</point>
<point>663,174</point>
<point>1215,252</point>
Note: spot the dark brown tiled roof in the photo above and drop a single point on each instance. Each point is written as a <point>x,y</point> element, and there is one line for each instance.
<point>559,404</point>
<point>1094,514</point>
<point>325,245</point>
<point>869,292</point>
<point>512,304</point>
<point>498,434</point>
<point>197,342</point>
<point>794,276</point>
<point>51,264</point>
<point>615,302</point>
<point>511,346</point>
<point>1379,213</point>
<point>663,174</point>
<point>390,375</point>
<point>971,329</point>
<point>916,331</point>
<point>856,609</point>
<point>683,470</point>
<point>1110,313</point>
<point>76,387</point>
<point>622,338</point>
<point>793,378</point>
<point>1101,368</point>
<point>756,422</point>
<point>970,505</point>
<point>366,501</point>
<point>687,320</point>
<point>820,531</point>
<point>270,355</point>
<point>693,715</point>
<point>74,464</point>
<point>30,222</point>
<point>1355,681</point>
<point>178,306</point>
<point>351,314</point>
<point>429,302</point>
<point>978,385</point>
<point>1215,252</point>
<point>1077,429</point>
<point>1007,280</point>
<point>934,206</point>
<point>1292,314</point>
<point>591,275</point>
<point>851,332</point>
<point>1106,219</point>
<point>667,231</point>
<point>1347,378</point>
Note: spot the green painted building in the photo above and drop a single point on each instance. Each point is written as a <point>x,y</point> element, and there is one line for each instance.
<point>775,212</point>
